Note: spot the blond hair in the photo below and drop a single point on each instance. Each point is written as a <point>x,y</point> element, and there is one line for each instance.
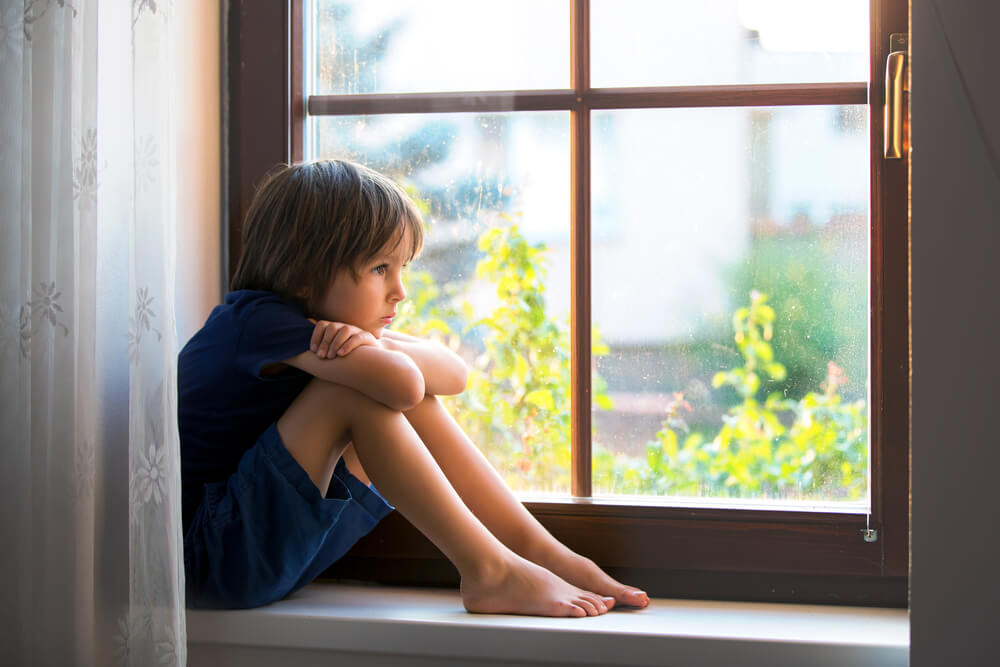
<point>307,221</point>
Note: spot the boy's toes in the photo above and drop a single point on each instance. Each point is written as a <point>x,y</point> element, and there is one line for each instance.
<point>600,603</point>
<point>587,605</point>
<point>633,597</point>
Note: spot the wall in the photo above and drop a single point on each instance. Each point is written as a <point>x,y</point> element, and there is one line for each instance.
<point>199,208</point>
<point>955,235</point>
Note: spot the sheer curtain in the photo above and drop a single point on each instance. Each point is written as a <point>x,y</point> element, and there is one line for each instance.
<point>91,557</point>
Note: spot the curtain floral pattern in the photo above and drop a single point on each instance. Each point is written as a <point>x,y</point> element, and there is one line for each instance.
<point>89,469</point>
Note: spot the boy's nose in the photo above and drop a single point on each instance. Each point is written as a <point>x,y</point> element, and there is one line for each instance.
<point>398,292</point>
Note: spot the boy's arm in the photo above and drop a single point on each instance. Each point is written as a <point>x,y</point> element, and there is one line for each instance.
<point>387,376</point>
<point>444,372</point>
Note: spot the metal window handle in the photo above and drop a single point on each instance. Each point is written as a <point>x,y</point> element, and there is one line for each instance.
<point>895,84</point>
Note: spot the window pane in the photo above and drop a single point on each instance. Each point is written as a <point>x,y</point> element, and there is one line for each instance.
<point>730,284</point>
<point>495,188</point>
<point>679,42</point>
<point>400,46</point>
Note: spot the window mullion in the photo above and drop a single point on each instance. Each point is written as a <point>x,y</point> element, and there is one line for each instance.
<point>580,403</point>
<point>296,82</point>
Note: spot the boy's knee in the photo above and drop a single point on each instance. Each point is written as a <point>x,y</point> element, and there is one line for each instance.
<point>428,402</point>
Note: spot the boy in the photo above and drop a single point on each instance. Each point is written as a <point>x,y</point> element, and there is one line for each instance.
<point>295,393</point>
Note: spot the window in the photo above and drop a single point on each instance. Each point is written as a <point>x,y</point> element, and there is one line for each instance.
<point>777,181</point>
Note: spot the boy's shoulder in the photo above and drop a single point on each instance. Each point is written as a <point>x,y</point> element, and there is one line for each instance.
<point>242,306</point>
<point>248,324</point>
<point>257,310</point>
<point>244,302</point>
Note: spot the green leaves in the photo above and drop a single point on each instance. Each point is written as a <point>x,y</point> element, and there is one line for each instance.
<point>821,455</point>
<point>541,398</point>
<point>516,404</point>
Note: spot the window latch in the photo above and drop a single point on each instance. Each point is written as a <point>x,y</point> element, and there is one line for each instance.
<point>870,534</point>
<point>895,85</point>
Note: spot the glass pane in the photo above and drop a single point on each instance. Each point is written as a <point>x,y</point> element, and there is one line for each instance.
<point>401,46</point>
<point>730,286</point>
<point>679,42</point>
<point>495,190</point>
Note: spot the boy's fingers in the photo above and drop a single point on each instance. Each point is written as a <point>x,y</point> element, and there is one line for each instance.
<point>349,344</point>
<point>317,336</point>
<point>329,334</point>
<point>343,334</point>
<point>331,339</point>
<point>355,341</point>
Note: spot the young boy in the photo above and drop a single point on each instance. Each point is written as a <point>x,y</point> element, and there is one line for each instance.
<point>295,393</point>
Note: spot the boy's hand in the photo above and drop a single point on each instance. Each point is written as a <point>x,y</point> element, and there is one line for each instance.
<point>336,339</point>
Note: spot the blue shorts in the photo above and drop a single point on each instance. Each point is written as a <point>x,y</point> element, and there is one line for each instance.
<point>267,531</point>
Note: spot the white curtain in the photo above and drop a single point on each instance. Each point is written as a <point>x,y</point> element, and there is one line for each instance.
<point>91,556</point>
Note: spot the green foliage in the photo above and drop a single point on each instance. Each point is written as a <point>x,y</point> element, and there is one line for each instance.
<point>818,290</point>
<point>822,454</point>
<point>516,406</point>
<point>518,394</point>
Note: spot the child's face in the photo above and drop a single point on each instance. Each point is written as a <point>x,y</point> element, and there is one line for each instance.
<point>369,302</point>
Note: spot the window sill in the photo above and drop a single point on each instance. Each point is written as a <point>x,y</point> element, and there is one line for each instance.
<point>395,626</point>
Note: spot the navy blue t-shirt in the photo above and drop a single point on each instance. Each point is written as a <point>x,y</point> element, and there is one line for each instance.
<point>224,404</point>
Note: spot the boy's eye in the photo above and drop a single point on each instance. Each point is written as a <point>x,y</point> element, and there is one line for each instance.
<point>381,269</point>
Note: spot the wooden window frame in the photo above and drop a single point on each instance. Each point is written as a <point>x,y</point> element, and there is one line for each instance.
<point>734,554</point>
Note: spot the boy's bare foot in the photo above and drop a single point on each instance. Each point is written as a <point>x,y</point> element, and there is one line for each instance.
<point>518,586</point>
<point>583,572</point>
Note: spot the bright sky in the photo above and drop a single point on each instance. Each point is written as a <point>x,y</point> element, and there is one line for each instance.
<point>784,25</point>
<point>808,25</point>
<point>473,44</point>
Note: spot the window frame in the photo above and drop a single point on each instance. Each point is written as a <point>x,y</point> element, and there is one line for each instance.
<point>734,554</point>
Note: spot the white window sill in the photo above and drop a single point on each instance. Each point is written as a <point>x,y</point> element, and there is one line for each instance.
<point>399,626</point>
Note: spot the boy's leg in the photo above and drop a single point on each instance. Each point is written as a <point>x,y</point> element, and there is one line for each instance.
<point>354,464</point>
<point>315,443</point>
<point>501,512</point>
<point>316,428</point>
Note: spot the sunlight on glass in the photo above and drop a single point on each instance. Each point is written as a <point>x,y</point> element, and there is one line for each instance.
<point>399,46</point>
<point>492,277</point>
<point>678,42</point>
<point>808,27</point>
<point>730,279</point>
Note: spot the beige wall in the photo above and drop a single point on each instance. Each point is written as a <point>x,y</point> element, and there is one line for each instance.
<point>199,230</point>
<point>955,231</point>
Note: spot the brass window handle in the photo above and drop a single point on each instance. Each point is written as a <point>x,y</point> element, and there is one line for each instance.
<point>895,85</point>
